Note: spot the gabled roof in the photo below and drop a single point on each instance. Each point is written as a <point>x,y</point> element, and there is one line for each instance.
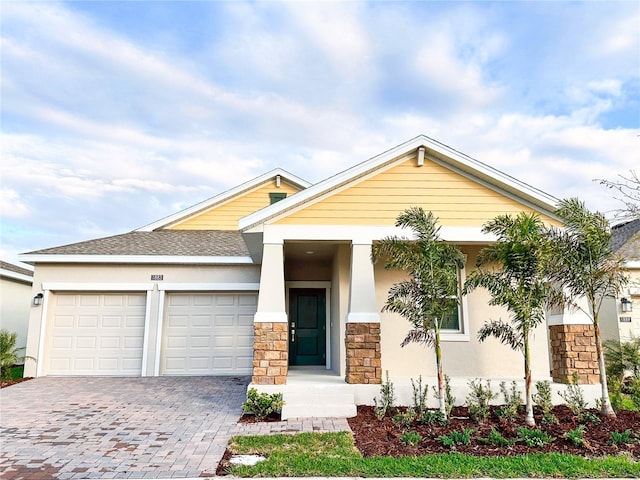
<point>161,246</point>
<point>625,239</point>
<point>14,272</point>
<point>226,196</point>
<point>434,151</point>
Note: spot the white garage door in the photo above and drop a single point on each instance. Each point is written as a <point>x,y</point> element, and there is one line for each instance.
<point>208,334</point>
<point>95,334</point>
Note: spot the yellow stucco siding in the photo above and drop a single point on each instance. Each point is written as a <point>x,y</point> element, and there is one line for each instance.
<point>377,200</point>
<point>225,216</point>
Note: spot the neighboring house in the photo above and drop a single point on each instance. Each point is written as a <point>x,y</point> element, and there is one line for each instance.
<point>15,300</point>
<point>274,279</point>
<point>621,316</point>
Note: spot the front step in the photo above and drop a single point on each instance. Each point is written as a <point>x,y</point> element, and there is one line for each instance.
<point>318,405</point>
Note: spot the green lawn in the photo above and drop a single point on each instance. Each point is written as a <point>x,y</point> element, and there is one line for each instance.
<point>334,454</point>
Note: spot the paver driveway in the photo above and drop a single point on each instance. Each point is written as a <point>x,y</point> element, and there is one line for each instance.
<point>97,427</point>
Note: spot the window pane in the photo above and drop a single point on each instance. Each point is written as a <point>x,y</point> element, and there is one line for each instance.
<point>451,321</point>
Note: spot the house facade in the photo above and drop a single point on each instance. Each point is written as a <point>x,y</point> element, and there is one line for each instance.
<point>621,315</point>
<point>15,300</point>
<point>275,277</point>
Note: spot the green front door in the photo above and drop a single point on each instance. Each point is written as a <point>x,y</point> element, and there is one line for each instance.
<point>307,326</point>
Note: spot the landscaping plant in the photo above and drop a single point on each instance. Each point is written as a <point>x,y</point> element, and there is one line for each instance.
<point>512,270</point>
<point>9,353</point>
<point>262,404</point>
<point>449,399</point>
<point>574,397</point>
<point>479,399</point>
<point>411,438</point>
<point>542,399</point>
<point>582,262</point>
<point>456,438</point>
<point>534,438</point>
<point>419,396</point>
<point>623,438</point>
<point>512,401</point>
<point>496,438</point>
<point>430,295</point>
<point>386,404</point>
<point>576,435</point>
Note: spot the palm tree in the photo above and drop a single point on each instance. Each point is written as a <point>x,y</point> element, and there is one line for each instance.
<point>512,271</point>
<point>9,353</point>
<point>583,263</point>
<point>430,295</point>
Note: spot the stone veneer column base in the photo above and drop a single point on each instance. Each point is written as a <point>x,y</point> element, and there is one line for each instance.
<point>364,364</point>
<point>573,349</point>
<point>270,353</point>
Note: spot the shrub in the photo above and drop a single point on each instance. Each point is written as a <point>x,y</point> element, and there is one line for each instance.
<point>433,417</point>
<point>456,438</point>
<point>622,438</point>
<point>512,401</point>
<point>387,399</point>
<point>542,399</point>
<point>478,400</point>
<point>574,397</point>
<point>262,404</point>
<point>622,357</point>
<point>534,438</point>
<point>590,417</point>
<point>496,438</point>
<point>576,435</point>
<point>411,438</point>
<point>9,354</point>
<point>404,420</point>
<point>419,396</point>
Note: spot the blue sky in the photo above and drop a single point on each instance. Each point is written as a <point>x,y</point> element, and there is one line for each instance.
<point>116,114</point>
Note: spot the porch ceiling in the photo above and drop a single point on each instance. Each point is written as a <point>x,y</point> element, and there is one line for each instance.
<point>316,251</point>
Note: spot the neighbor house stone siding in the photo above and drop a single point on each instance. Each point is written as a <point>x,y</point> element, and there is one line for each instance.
<point>364,363</point>
<point>270,353</point>
<point>573,349</point>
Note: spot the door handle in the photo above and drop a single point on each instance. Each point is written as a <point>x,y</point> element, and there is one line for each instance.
<point>293,335</point>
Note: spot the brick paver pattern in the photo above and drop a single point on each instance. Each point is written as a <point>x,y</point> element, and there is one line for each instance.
<point>104,427</point>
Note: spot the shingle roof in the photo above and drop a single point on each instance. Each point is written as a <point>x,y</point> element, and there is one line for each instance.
<point>15,268</point>
<point>625,239</point>
<point>160,242</point>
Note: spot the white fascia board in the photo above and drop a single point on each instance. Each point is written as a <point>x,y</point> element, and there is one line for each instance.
<point>367,234</point>
<point>224,196</point>
<point>145,259</point>
<point>20,277</point>
<point>211,287</point>
<point>632,264</point>
<point>97,287</point>
<point>456,159</point>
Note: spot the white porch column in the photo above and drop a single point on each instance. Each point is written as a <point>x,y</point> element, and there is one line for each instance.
<point>362,288</point>
<point>271,299</point>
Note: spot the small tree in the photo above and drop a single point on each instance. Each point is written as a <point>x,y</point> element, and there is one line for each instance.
<point>430,294</point>
<point>512,271</point>
<point>583,263</point>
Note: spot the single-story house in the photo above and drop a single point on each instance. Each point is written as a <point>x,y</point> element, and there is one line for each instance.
<point>15,300</point>
<point>621,315</point>
<point>274,279</point>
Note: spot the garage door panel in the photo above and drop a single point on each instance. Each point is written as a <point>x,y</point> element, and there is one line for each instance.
<point>208,334</point>
<point>95,334</point>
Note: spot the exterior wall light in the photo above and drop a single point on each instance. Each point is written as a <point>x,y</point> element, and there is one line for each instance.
<point>37,300</point>
<point>626,304</point>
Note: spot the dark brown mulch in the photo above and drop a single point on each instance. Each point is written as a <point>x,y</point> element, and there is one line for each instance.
<point>8,383</point>
<point>382,438</point>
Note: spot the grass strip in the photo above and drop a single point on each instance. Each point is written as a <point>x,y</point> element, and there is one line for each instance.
<point>335,455</point>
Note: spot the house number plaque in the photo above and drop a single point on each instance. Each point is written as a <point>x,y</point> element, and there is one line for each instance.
<point>157,277</point>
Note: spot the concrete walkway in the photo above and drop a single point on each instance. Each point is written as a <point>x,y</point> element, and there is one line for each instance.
<point>102,427</point>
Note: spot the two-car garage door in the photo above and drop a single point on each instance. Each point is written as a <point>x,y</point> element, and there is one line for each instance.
<point>103,334</point>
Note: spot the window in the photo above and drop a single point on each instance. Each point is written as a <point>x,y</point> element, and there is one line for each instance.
<point>455,326</point>
<point>276,196</point>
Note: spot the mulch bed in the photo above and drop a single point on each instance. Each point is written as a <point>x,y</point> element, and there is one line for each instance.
<point>250,418</point>
<point>382,438</point>
<point>8,383</point>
